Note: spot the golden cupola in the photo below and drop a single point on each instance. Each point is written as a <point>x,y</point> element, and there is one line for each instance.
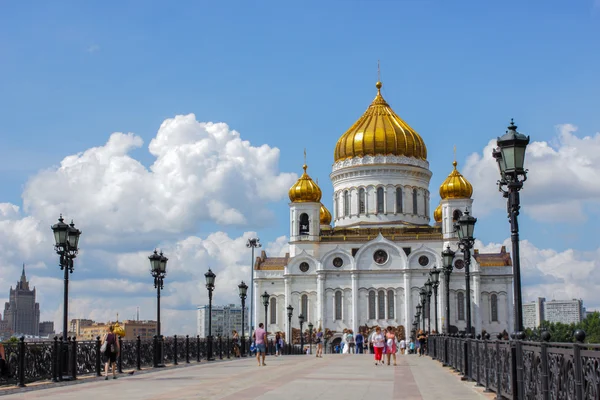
<point>305,190</point>
<point>437,213</point>
<point>324,215</point>
<point>456,186</point>
<point>380,131</point>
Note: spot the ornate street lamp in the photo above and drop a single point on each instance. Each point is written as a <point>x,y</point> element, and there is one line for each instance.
<point>265,299</point>
<point>210,285</point>
<point>423,295</point>
<point>435,279</point>
<point>428,286</point>
<point>253,243</point>
<point>448,259</point>
<point>418,315</point>
<point>310,329</point>
<point>66,245</point>
<point>243,289</point>
<point>510,156</point>
<point>301,320</point>
<point>158,270</point>
<point>66,238</point>
<point>290,312</point>
<point>465,227</point>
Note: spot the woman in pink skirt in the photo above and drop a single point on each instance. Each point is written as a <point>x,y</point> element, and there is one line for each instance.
<point>390,344</point>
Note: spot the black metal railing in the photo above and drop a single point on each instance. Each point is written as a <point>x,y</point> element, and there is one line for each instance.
<point>520,369</point>
<point>56,360</point>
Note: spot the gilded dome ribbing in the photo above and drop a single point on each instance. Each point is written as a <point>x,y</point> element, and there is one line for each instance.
<point>324,215</point>
<point>437,213</point>
<point>380,131</point>
<point>305,190</point>
<point>456,186</point>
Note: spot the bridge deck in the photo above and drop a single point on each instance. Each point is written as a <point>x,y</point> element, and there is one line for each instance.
<point>288,377</point>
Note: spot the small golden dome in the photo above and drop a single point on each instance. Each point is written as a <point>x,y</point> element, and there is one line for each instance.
<point>305,190</point>
<point>380,131</point>
<point>437,213</point>
<point>324,215</point>
<point>456,186</point>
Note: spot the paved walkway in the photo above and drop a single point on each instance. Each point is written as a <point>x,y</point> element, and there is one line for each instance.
<point>289,377</point>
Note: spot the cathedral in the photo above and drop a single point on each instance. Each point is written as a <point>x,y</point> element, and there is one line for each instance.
<point>366,263</point>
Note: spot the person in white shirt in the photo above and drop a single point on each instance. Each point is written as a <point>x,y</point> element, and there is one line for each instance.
<point>402,346</point>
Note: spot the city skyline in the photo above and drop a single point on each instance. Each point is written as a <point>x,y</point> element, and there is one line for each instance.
<point>214,128</point>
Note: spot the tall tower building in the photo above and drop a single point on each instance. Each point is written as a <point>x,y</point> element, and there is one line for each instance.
<point>22,313</point>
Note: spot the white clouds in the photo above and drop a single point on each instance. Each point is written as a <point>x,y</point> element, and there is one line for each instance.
<point>202,172</point>
<point>563,177</point>
<point>570,274</point>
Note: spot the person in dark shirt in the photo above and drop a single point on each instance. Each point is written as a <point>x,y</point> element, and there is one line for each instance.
<point>360,342</point>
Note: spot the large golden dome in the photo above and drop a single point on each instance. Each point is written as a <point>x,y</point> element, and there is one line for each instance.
<point>380,131</point>
<point>305,190</point>
<point>324,215</point>
<point>456,186</point>
<point>437,213</point>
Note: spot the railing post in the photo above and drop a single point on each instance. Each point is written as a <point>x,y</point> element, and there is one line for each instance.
<point>156,344</point>
<point>477,364</point>
<point>55,359</point>
<point>187,349</point>
<point>21,375</point>
<point>486,364</point>
<point>175,350</point>
<point>198,348</point>
<point>220,347</point>
<point>517,360</point>
<point>580,337</point>
<point>544,362</point>
<point>74,358</point>
<point>228,347</point>
<point>498,372</point>
<point>138,350</point>
<point>61,359</point>
<point>120,359</point>
<point>98,357</point>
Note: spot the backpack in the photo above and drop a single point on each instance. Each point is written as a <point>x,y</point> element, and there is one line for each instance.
<point>350,338</point>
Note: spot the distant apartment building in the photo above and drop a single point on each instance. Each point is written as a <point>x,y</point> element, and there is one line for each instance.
<point>76,325</point>
<point>564,311</point>
<point>225,319</point>
<point>133,329</point>
<point>47,328</point>
<point>533,313</point>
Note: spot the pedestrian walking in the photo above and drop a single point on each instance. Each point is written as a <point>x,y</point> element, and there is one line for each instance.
<point>378,344</point>
<point>110,349</point>
<point>319,342</point>
<point>360,342</point>
<point>402,346</point>
<point>391,345</point>
<point>260,340</point>
<point>236,343</point>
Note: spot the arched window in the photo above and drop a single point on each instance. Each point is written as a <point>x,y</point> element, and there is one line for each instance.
<point>273,310</point>
<point>372,304</point>
<point>415,208</point>
<point>361,201</point>
<point>460,299</point>
<point>338,305</point>
<point>381,304</point>
<point>346,203</point>
<point>304,225</point>
<point>304,306</point>
<point>380,200</point>
<point>399,200</point>
<point>391,304</point>
<point>494,304</point>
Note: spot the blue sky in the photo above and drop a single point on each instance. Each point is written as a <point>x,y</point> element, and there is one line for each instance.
<point>296,76</point>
